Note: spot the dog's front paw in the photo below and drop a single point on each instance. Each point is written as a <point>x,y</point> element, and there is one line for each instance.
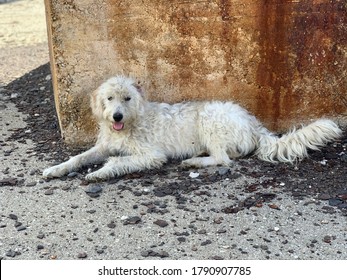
<point>55,171</point>
<point>100,175</point>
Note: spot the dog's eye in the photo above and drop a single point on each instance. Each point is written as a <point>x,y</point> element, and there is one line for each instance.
<point>127,98</point>
<point>109,98</point>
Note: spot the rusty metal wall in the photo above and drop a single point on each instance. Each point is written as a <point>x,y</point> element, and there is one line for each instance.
<point>285,61</point>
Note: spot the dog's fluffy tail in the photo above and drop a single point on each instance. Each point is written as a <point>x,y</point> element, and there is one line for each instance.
<point>293,145</point>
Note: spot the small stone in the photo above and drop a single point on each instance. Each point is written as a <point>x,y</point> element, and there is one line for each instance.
<point>335,201</point>
<point>40,247</point>
<point>324,196</point>
<point>206,242</point>
<point>146,191</point>
<point>342,205</point>
<point>223,170</point>
<point>21,227</point>
<point>17,224</point>
<point>14,95</point>
<point>8,182</point>
<point>194,175</point>
<point>82,255</point>
<point>274,206</point>
<point>342,196</point>
<point>94,191</point>
<point>31,184</point>
<point>132,220</point>
<point>181,239</point>
<point>217,258</point>
<point>161,223</point>
<point>111,225</point>
<point>65,188</point>
<point>49,192</point>
<point>163,254</point>
<point>13,217</point>
<point>11,253</point>
<point>327,239</point>
<point>40,236</point>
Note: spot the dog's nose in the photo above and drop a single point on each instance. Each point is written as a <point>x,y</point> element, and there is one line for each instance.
<point>117,117</point>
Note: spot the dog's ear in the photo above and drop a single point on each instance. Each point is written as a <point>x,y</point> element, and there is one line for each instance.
<point>96,104</point>
<point>139,89</point>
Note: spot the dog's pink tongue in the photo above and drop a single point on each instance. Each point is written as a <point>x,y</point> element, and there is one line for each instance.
<point>118,126</point>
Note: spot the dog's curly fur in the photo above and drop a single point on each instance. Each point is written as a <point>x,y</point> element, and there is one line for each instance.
<point>136,134</point>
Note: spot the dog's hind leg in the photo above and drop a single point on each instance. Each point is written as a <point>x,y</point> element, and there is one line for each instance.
<point>94,155</point>
<point>220,158</point>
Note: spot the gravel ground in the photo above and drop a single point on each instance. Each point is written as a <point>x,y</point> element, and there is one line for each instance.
<point>254,210</point>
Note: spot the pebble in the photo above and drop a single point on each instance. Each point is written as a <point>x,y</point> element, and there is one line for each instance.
<point>31,184</point>
<point>206,242</point>
<point>194,175</point>
<point>327,239</point>
<point>13,217</point>
<point>40,236</point>
<point>8,182</point>
<point>342,205</point>
<point>324,196</point>
<point>21,227</point>
<point>14,95</point>
<point>17,224</point>
<point>181,239</point>
<point>161,223</point>
<point>132,220</point>
<point>49,192</point>
<point>12,254</point>
<point>82,255</point>
<point>94,191</point>
<point>151,253</point>
<point>111,225</point>
<point>223,170</point>
<point>217,258</point>
<point>335,201</point>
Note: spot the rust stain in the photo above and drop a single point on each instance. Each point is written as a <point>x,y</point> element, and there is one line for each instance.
<point>303,62</point>
<point>228,39</point>
<point>274,74</point>
<point>320,41</point>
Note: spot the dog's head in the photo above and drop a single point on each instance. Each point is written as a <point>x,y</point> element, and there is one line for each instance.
<point>118,101</point>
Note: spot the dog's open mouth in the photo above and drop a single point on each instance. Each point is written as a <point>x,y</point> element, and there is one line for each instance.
<point>118,126</point>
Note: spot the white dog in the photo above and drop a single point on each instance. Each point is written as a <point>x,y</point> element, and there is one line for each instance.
<point>136,134</point>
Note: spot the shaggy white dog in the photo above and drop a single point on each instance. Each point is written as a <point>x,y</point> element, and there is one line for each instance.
<point>136,134</point>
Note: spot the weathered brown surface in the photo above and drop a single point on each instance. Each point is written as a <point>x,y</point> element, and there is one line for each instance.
<point>286,61</point>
